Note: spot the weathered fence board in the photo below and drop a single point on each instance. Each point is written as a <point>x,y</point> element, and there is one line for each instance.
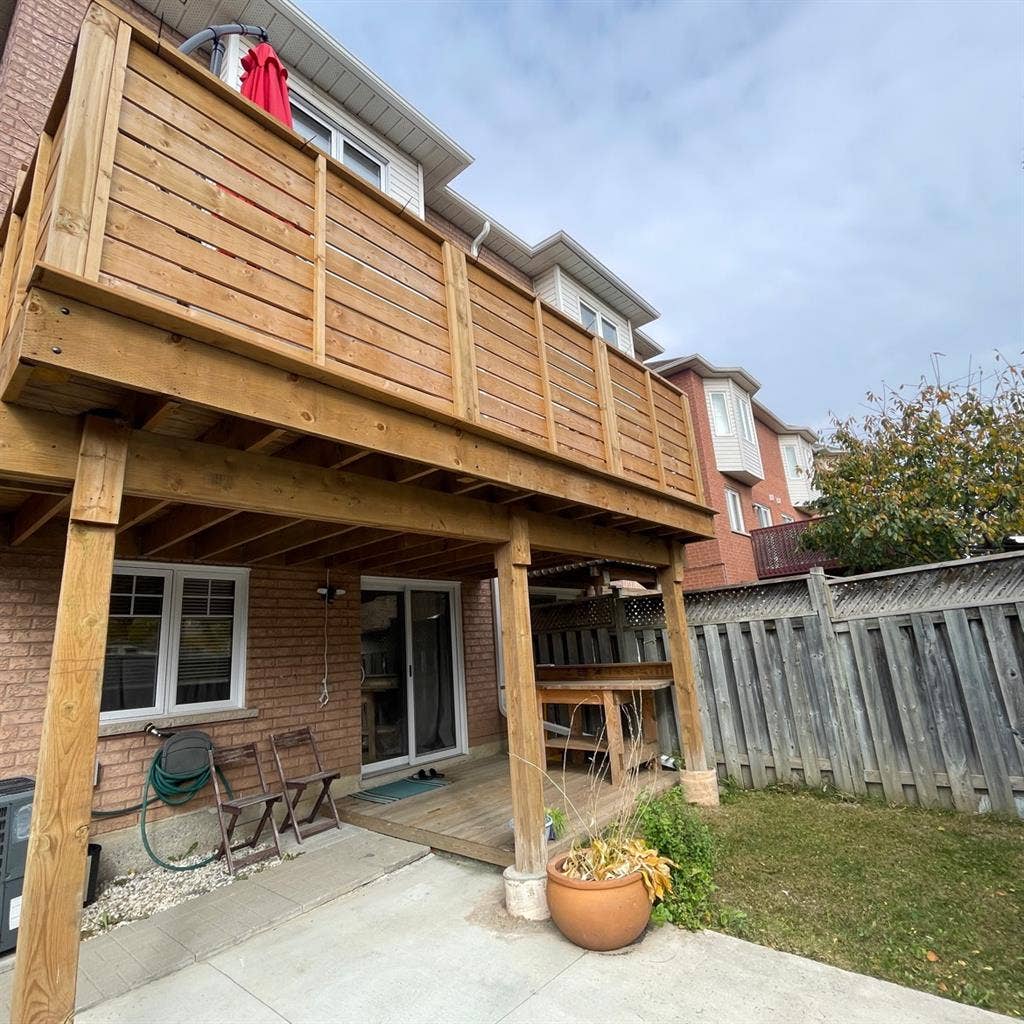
<point>909,685</point>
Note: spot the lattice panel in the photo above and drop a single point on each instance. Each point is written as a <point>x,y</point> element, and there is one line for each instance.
<point>593,613</point>
<point>957,585</point>
<point>647,612</point>
<point>752,601</point>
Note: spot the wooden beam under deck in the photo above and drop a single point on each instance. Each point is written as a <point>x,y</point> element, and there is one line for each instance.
<point>97,344</point>
<point>40,446</point>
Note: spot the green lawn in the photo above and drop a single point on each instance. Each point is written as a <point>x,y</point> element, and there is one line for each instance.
<point>922,898</point>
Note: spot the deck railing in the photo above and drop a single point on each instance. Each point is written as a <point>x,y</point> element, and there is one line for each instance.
<point>155,179</point>
<point>778,551</point>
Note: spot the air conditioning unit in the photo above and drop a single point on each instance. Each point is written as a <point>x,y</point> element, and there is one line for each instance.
<point>15,818</point>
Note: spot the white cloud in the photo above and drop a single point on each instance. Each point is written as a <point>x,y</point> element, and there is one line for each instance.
<point>823,193</point>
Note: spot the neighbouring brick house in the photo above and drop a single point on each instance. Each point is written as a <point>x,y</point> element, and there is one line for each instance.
<point>758,470</point>
<point>215,617</point>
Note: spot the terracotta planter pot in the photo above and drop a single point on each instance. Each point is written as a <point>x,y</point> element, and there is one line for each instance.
<point>597,915</point>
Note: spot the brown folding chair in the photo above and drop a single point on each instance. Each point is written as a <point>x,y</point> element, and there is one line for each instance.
<point>308,826</point>
<point>234,805</point>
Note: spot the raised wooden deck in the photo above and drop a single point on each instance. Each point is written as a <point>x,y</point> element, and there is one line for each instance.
<point>470,817</point>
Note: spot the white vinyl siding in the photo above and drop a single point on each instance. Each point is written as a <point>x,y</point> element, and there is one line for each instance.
<point>728,407</point>
<point>546,286</point>
<point>734,506</point>
<point>175,641</point>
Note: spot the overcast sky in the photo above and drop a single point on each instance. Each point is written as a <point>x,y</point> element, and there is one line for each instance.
<point>823,193</point>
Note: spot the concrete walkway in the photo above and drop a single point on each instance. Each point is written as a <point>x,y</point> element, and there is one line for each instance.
<point>329,866</point>
<point>432,943</point>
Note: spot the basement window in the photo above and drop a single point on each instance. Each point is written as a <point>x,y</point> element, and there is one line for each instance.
<point>175,641</point>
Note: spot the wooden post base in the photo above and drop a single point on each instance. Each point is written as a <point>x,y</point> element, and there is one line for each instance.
<point>700,787</point>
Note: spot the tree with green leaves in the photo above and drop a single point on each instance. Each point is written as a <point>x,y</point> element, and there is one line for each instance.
<point>928,474</point>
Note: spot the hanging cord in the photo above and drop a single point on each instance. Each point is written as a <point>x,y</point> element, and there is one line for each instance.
<point>325,694</point>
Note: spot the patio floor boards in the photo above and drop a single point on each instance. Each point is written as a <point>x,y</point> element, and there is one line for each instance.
<point>470,817</point>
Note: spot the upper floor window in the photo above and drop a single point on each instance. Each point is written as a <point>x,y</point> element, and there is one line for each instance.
<point>720,413</point>
<point>787,519</point>
<point>792,461</point>
<point>323,134</point>
<point>735,509</point>
<point>596,324</point>
<point>175,640</point>
<point>764,514</point>
<point>746,420</point>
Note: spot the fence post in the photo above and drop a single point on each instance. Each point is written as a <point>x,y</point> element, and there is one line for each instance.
<point>839,684</point>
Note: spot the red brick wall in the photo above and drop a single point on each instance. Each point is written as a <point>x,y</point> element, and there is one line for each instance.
<point>38,47</point>
<point>284,665</point>
<point>729,558</point>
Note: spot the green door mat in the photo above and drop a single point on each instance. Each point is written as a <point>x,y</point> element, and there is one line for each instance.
<point>392,791</point>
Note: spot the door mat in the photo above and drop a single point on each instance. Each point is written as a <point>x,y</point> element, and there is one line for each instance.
<point>392,791</point>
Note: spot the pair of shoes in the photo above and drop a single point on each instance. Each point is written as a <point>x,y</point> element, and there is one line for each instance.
<point>423,775</point>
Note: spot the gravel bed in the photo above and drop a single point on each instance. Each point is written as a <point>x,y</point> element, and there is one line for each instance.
<point>141,894</point>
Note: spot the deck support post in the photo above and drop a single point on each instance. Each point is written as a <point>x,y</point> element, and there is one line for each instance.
<point>700,784</point>
<point>525,883</point>
<point>46,968</point>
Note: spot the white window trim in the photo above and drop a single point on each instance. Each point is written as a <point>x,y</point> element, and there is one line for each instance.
<point>796,472</point>
<point>747,429</point>
<point>170,627</point>
<point>590,309</point>
<point>339,136</point>
<point>601,322</point>
<point>758,509</point>
<point>787,519</point>
<point>735,511</point>
<point>712,395</point>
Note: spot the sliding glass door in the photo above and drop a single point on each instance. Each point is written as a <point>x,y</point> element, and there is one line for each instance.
<point>413,695</point>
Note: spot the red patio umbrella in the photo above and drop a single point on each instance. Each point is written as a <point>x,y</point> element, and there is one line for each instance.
<point>265,82</point>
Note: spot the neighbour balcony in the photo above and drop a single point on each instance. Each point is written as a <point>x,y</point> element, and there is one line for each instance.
<point>778,552</point>
<point>159,194</point>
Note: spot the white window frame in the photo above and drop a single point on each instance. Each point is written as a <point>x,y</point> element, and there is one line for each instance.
<point>724,398</point>
<point>794,472</point>
<point>601,324</point>
<point>787,519</point>
<point>340,137</point>
<point>170,629</point>
<point>734,506</point>
<point>747,430</point>
<point>762,512</point>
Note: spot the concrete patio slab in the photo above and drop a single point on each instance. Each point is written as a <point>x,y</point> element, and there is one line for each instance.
<point>125,959</point>
<point>433,943</point>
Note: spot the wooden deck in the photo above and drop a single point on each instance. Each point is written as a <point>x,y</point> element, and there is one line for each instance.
<point>470,817</point>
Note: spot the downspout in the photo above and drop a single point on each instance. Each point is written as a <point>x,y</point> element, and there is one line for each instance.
<point>474,249</point>
<point>213,34</point>
<point>558,730</point>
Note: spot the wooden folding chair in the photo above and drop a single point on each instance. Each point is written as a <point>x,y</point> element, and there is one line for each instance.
<point>308,826</point>
<point>233,806</point>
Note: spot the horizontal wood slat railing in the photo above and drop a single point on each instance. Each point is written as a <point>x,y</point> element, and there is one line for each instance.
<point>190,197</point>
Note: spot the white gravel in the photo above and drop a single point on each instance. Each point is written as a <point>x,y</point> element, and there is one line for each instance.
<point>140,894</point>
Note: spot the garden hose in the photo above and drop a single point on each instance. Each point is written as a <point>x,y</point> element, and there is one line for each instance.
<point>174,789</point>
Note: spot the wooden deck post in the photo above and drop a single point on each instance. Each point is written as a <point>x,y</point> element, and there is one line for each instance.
<point>46,968</point>
<point>525,883</point>
<point>700,784</point>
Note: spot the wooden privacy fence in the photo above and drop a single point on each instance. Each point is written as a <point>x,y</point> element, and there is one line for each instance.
<point>907,684</point>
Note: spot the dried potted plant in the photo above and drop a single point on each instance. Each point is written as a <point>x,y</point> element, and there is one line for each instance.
<point>601,892</point>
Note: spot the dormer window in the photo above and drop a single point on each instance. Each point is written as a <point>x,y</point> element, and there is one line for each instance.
<point>319,130</point>
<point>596,324</point>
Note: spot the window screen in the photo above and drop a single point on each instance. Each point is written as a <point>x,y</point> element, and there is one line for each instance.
<point>133,642</point>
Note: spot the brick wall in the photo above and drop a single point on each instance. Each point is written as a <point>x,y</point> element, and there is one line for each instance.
<point>39,44</point>
<point>284,665</point>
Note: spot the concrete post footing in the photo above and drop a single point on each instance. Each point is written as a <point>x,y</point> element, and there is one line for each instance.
<point>700,787</point>
<point>526,894</point>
